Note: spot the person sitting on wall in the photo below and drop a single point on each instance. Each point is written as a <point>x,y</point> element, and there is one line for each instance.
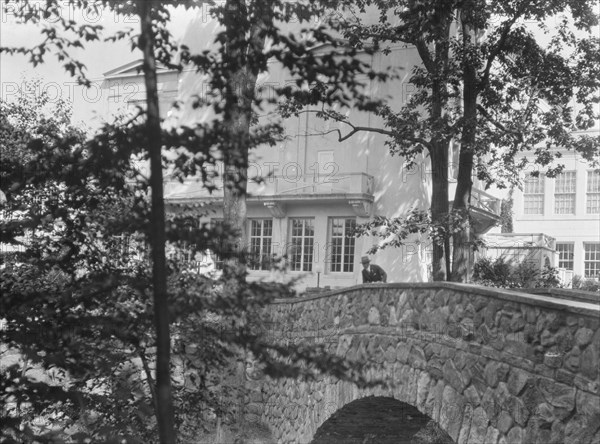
<point>372,272</point>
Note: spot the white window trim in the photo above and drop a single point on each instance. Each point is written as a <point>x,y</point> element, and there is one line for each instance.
<point>572,193</point>
<point>330,246</point>
<point>262,237</point>
<point>303,238</point>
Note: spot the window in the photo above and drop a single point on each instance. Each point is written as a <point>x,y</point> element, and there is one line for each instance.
<point>591,260</point>
<point>564,193</point>
<point>342,244</point>
<point>565,255</point>
<point>118,246</point>
<point>122,249</point>
<point>533,195</point>
<point>593,193</point>
<point>217,243</point>
<point>302,233</point>
<point>261,231</point>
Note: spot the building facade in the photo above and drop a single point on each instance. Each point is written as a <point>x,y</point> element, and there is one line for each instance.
<point>126,90</point>
<point>316,189</point>
<point>566,208</point>
<point>311,190</point>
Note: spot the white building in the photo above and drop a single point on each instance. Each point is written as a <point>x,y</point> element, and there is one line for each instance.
<point>317,189</point>
<point>125,88</point>
<point>568,209</point>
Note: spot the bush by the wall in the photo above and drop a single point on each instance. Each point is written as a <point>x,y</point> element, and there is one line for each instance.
<point>581,283</point>
<point>501,272</point>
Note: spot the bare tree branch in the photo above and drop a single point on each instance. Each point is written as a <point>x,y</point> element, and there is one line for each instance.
<point>516,134</point>
<point>425,56</point>
<point>148,372</point>
<point>500,44</point>
<point>355,129</point>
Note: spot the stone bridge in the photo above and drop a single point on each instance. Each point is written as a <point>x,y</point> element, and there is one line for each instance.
<point>462,363</point>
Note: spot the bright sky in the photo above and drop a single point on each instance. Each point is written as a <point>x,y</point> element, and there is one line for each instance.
<point>98,57</point>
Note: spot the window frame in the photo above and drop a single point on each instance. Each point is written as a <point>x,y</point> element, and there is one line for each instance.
<point>345,265</point>
<point>565,191</point>
<point>587,259</point>
<point>592,189</point>
<point>216,257</point>
<point>570,250</point>
<point>306,245</point>
<point>265,261</point>
<point>537,193</point>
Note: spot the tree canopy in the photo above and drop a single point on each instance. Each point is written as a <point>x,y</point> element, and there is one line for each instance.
<point>105,296</point>
<point>497,78</point>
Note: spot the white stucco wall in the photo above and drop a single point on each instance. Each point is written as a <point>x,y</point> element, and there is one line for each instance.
<point>395,189</point>
<point>577,228</point>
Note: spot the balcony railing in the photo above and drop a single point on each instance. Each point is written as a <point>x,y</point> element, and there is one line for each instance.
<point>484,201</point>
<point>480,200</point>
<point>346,183</point>
<point>317,185</point>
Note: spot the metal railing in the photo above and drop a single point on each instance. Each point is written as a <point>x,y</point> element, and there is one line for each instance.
<point>277,185</point>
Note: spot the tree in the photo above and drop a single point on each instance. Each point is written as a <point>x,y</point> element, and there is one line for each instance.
<point>52,293</point>
<point>487,83</point>
<point>564,72</point>
<point>101,175</point>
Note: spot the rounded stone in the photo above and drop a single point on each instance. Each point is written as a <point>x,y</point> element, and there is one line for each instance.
<point>505,422</point>
<point>589,361</point>
<point>571,361</point>
<point>583,336</point>
<point>515,435</point>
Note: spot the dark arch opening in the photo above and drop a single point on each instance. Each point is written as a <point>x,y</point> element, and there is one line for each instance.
<point>380,420</point>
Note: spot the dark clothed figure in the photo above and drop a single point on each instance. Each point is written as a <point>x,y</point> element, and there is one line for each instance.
<point>372,272</point>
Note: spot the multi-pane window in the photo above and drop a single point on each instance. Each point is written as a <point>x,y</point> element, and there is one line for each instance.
<point>302,241</point>
<point>593,192</point>
<point>342,242</point>
<point>564,193</point>
<point>591,260</point>
<point>533,195</point>
<point>217,243</point>
<point>261,232</point>
<point>565,255</point>
<point>119,246</point>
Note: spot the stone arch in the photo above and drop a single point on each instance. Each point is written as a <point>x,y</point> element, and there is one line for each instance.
<point>382,420</point>
<point>487,365</point>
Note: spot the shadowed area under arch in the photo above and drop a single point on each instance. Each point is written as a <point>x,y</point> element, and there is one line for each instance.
<point>380,420</point>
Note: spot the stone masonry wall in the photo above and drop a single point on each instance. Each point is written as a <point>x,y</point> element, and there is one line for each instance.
<point>490,366</point>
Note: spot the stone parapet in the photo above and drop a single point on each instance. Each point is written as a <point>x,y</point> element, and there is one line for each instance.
<point>488,365</point>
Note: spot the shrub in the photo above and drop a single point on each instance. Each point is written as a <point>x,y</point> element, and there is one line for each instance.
<point>500,272</point>
<point>581,283</point>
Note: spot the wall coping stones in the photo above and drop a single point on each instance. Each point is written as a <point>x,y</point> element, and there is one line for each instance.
<point>482,384</point>
<point>577,307</point>
<point>565,293</point>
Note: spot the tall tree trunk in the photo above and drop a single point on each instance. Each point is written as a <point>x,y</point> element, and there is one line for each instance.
<point>164,404</point>
<point>436,67</point>
<point>240,90</point>
<point>462,198</point>
<point>235,157</point>
<point>439,205</point>
<point>239,97</point>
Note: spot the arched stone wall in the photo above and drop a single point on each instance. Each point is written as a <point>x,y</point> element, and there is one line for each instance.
<point>487,365</point>
<point>379,420</point>
<point>297,410</point>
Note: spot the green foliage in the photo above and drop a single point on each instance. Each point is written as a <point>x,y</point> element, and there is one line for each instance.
<point>503,273</point>
<point>75,203</point>
<point>487,80</point>
<point>397,231</point>
<point>581,283</point>
<point>506,215</point>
